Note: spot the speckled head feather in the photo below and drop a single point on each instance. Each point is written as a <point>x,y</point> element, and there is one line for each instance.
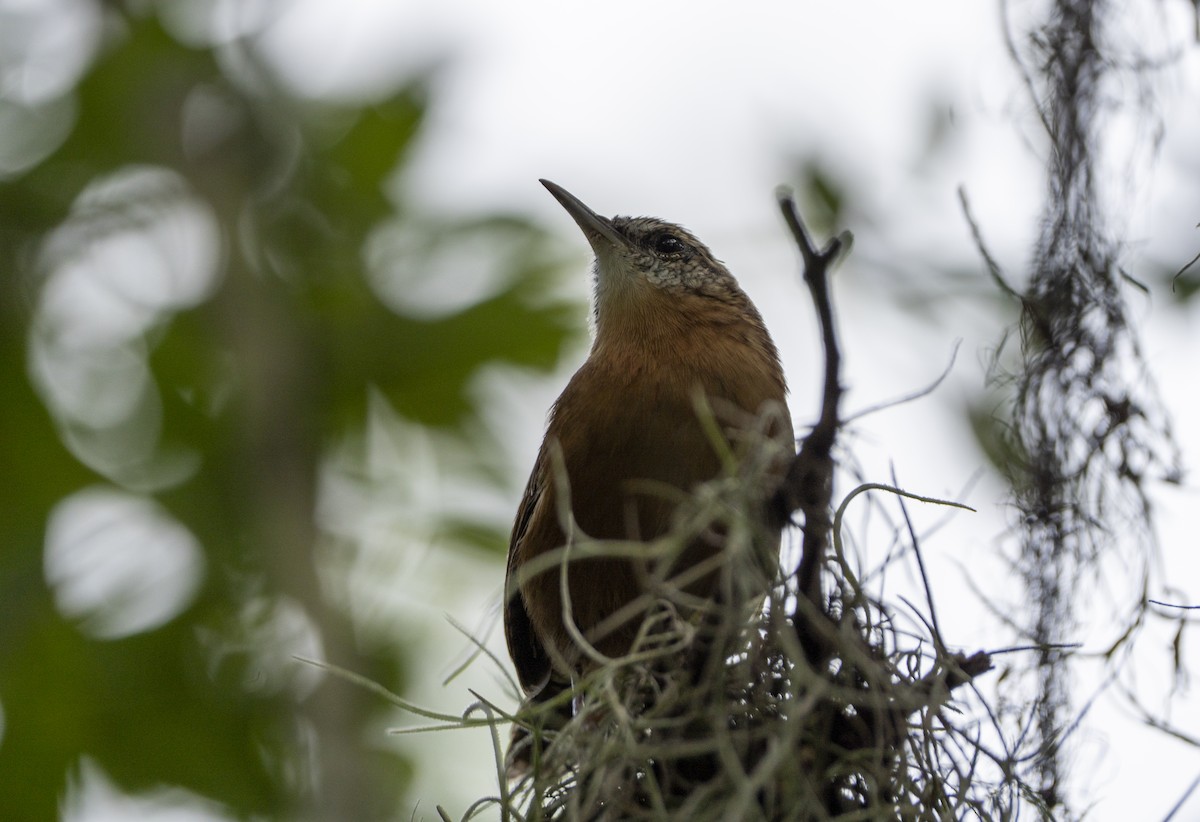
<point>656,284</point>
<point>670,257</point>
<point>647,250</point>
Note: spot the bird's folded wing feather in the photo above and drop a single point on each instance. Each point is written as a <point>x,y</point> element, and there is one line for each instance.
<point>526,650</point>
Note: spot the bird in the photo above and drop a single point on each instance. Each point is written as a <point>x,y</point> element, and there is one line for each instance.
<point>674,333</point>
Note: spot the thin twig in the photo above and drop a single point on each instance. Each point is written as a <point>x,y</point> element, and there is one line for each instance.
<point>1175,808</point>
<point>920,393</point>
<point>936,631</point>
<point>977,235</point>
<point>1179,273</point>
<point>808,486</point>
<point>816,277</point>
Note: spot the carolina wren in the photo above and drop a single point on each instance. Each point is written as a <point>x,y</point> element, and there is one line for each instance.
<point>671,326</point>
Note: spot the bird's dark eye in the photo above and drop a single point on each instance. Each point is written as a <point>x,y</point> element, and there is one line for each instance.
<point>667,244</point>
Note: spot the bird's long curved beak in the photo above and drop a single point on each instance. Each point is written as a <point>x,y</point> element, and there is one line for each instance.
<point>597,229</point>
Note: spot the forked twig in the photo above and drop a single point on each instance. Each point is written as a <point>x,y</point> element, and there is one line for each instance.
<point>808,485</point>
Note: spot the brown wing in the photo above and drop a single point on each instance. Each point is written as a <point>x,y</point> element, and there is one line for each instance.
<point>526,650</point>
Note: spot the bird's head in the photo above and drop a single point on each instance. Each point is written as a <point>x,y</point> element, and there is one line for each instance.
<point>648,269</point>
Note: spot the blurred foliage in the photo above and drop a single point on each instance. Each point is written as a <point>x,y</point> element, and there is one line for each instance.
<point>229,395</point>
<point>822,195</point>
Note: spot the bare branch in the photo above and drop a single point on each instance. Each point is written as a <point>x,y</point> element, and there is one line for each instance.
<point>808,486</point>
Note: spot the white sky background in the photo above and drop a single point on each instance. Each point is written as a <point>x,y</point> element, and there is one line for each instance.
<point>693,111</point>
